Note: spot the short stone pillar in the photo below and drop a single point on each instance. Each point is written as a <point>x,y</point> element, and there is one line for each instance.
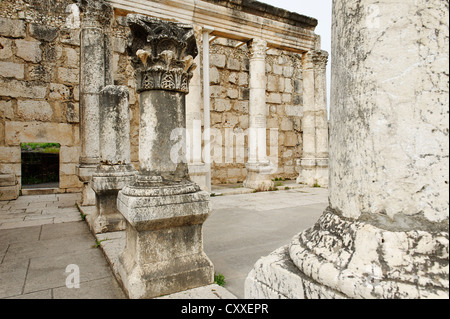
<point>258,166</point>
<point>385,233</point>
<point>95,73</point>
<point>314,161</point>
<point>115,170</point>
<point>164,210</point>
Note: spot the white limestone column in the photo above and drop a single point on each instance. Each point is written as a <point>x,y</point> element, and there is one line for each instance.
<point>194,105</point>
<point>95,73</point>
<point>314,161</point>
<point>385,234</point>
<point>258,165</point>
<point>206,107</point>
<point>321,119</point>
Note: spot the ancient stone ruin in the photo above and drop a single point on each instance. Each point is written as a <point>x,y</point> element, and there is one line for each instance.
<point>151,102</point>
<point>57,56</point>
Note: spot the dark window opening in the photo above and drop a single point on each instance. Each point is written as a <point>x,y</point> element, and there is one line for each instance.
<point>40,165</point>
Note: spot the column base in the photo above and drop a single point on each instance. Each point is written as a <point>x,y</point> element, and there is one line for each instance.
<point>107,183</point>
<point>313,172</point>
<point>9,187</point>
<point>258,176</point>
<point>197,173</point>
<point>276,277</point>
<point>164,246</point>
<point>85,172</point>
<point>360,259</point>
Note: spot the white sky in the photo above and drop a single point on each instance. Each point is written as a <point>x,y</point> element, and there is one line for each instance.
<point>318,9</point>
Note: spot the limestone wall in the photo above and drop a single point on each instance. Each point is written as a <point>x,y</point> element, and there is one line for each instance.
<point>39,56</point>
<point>229,77</point>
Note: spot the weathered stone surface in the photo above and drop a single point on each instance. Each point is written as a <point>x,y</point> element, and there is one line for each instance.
<point>12,28</point>
<point>12,70</point>
<point>34,110</point>
<point>15,88</point>
<point>68,75</point>
<point>314,119</point>
<point>165,230</point>
<point>73,112</point>
<point>5,48</point>
<point>276,277</point>
<point>9,188</point>
<point>368,259</point>
<point>29,50</point>
<point>38,132</point>
<point>43,32</point>
<point>218,60</point>
<point>115,170</point>
<point>294,110</point>
<point>95,72</point>
<point>409,132</point>
<point>58,91</point>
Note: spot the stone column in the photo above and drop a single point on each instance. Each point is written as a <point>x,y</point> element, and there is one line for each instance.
<point>95,73</point>
<point>115,170</point>
<point>258,165</point>
<point>194,103</point>
<point>385,232</point>
<point>314,161</point>
<point>164,210</point>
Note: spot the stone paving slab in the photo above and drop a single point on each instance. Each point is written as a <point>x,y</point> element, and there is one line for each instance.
<point>207,292</point>
<point>37,210</point>
<point>37,246</point>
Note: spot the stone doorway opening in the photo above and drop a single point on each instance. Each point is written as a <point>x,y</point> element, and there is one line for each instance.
<point>40,165</point>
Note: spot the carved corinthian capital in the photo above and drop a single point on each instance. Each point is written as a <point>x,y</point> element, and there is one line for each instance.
<point>257,48</point>
<point>316,59</point>
<point>96,13</point>
<point>162,53</point>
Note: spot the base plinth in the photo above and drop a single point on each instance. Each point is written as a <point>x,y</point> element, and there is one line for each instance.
<point>164,246</point>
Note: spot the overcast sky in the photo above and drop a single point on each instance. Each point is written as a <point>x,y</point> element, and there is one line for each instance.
<point>318,9</point>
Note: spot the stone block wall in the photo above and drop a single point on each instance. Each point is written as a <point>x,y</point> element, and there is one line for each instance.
<point>229,80</point>
<point>39,58</point>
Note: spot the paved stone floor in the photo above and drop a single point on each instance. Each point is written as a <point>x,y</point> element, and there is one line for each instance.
<point>41,235</point>
<point>243,228</point>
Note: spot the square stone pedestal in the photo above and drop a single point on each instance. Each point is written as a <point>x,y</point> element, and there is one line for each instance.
<point>164,245</point>
<point>106,186</point>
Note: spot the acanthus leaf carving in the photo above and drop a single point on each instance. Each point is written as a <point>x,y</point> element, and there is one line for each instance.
<point>162,53</point>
